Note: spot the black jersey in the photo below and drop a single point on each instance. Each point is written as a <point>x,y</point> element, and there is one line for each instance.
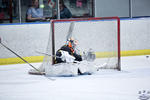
<point>70,51</point>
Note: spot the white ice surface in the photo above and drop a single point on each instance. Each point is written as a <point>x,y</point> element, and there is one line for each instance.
<point>17,84</point>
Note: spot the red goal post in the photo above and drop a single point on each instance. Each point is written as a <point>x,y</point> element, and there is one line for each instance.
<point>104,25</point>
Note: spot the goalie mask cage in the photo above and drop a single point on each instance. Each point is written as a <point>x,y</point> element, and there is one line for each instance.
<point>102,35</point>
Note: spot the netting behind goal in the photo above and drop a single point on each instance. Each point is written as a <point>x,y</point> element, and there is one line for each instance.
<point>102,35</point>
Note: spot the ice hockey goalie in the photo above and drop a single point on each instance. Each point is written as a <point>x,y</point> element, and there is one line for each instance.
<point>69,62</point>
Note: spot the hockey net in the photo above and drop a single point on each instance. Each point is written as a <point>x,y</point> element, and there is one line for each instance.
<point>102,35</point>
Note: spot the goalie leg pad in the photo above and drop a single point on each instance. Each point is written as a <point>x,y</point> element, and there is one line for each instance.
<point>62,69</point>
<point>86,67</point>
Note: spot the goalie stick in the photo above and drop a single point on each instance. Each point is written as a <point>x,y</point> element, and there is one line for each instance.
<point>88,57</point>
<point>69,35</point>
<point>47,54</point>
<point>20,57</point>
<point>65,56</point>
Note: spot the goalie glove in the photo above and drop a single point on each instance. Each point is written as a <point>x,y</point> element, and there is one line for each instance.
<point>89,56</point>
<point>66,57</point>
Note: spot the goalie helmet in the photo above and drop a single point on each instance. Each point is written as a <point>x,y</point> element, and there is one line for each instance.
<point>72,43</point>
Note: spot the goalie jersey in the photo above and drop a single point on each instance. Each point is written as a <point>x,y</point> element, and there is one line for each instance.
<point>70,51</point>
